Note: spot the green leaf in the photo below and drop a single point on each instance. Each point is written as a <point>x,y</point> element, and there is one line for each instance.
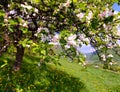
<point>43,52</point>
<point>12,22</point>
<point>35,1</point>
<point>24,30</point>
<point>10,29</point>
<point>75,1</point>
<point>5,63</point>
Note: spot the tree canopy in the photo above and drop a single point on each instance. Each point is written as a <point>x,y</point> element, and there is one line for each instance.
<point>39,24</point>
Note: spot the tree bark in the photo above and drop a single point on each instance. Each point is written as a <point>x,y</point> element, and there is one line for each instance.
<point>19,57</point>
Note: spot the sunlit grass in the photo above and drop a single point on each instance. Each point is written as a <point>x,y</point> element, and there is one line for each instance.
<point>64,77</point>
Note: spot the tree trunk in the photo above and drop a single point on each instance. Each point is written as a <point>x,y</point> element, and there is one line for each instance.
<point>19,57</point>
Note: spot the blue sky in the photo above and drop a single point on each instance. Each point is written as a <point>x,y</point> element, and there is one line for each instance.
<point>116,7</point>
<point>87,48</point>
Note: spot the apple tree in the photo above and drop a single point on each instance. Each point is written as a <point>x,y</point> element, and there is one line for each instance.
<point>36,24</point>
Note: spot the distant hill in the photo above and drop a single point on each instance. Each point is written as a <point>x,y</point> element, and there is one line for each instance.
<point>93,58</point>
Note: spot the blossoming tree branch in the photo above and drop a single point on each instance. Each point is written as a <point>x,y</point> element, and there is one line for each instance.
<point>37,25</point>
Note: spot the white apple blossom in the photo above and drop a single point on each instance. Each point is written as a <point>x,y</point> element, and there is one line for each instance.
<point>29,7</point>
<point>39,29</point>
<point>79,42</point>
<point>39,64</point>
<point>43,38</point>
<point>90,15</point>
<point>36,34</point>
<point>45,29</point>
<point>111,63</point>
<point>106,13</point>
<point>12,12</point>
<point>86,40</point>
<point>67,4</point>
<point>34,14</point>
<point>28,46</point>
<point>25,24</point>
<point>118,27</point>
<point>5,20</point>
<point>36,10</point>
<point>110,56</point>
<point>80,15</point>
<point>54,43</point>
<point>115,12</point>
<point>103,57</point>
<point>67,46</point>
<point>72,42</point>
<point>42,28</point>
<point>72,37</point>
<point>84,64</point>
<point>81,36</point>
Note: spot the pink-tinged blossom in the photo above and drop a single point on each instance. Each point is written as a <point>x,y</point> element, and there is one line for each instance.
<point>72,42</point>
<point>109,46</point>
<point>67,46</point>
<point>67,4</point>
<point>106,13</point>
<point>12,12</point>
<point>55,38</point>
<point>72,37</point>
<point>25,24</point>
<point>80,15</point>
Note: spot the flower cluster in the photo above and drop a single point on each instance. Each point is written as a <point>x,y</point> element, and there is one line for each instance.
<point>29,7</point>
<point>71,41</point>
<point>110,56</point>
<point>40,29</point>
<point>55,40</point>
<point>80,15</point>
<point>106,13</point>
<point>103,57</point>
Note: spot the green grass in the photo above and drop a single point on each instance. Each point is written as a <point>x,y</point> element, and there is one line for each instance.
<point>95,80</point>
<point>63,77</point>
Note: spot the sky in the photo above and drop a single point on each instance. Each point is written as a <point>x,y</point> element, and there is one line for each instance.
<point>116,7</point>
<point>88,48</point>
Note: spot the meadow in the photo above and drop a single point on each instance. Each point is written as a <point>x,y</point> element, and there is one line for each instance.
<point>64,76</point>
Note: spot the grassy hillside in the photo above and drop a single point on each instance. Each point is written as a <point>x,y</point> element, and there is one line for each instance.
<point>95,79</point>
<point>93,58</point>
<point>63,77</point>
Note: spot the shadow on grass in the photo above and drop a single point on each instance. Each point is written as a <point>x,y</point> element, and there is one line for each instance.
<point>63,82</point>
<point>45,78</point>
